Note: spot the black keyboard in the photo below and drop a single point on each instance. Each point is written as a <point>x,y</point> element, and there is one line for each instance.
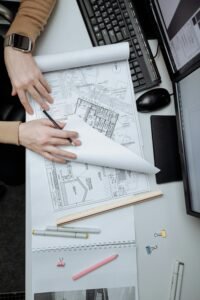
<point>114,21</point>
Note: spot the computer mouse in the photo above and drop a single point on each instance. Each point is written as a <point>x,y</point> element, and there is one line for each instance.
<point>153,100</point>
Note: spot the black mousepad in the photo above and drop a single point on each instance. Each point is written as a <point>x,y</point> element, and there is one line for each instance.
<point>165,147</point>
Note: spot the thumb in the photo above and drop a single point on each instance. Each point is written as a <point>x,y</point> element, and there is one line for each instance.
<point>14,93</point>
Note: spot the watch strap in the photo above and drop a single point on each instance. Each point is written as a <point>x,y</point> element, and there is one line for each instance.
<point>8,40</point>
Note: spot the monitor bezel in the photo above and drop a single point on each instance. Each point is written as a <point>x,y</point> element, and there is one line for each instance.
<point>174,73</point>
<point>182,151</point>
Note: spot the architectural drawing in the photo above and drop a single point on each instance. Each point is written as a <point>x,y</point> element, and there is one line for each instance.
<point>102,96</point>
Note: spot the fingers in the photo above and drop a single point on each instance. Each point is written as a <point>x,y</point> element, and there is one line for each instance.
<point>13,93</point>
<point>24,101</point>
<point>60,153</point>
<point>61,137</point>
<point>75,142</point>
<point>43,90</point>
<point>44,83</point>
<point>53,158</point>
<point>36,95</point>
<point>64,142</point>
<point>63,134</point>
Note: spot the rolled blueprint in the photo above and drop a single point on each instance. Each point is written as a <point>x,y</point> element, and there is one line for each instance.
<point>81,58</point>
<point>97,149</point>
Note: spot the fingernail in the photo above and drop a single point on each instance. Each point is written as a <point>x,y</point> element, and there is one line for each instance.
<point>30,112</point>
<point>45,107</point>
<point>77,143</point>
<point>73,156</point>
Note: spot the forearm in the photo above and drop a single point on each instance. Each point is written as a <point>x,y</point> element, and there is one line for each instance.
<point>31,18</point>
<point>9,132</point>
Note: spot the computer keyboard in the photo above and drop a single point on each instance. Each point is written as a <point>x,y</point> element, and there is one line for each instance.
<point>114,21</point>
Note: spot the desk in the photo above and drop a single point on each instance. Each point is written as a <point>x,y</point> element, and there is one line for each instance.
<point>168,212</point>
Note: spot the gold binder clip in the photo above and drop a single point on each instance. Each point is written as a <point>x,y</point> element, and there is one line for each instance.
<point>162,233</point>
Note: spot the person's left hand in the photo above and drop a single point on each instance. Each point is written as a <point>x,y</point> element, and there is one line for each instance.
<point>25,77</point>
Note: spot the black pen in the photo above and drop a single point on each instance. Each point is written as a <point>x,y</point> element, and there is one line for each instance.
<point>55,123</point>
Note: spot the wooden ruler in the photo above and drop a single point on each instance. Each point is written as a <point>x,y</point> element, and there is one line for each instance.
<point>107,207</point>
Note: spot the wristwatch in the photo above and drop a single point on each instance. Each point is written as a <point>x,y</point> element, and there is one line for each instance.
<point>18,42</point>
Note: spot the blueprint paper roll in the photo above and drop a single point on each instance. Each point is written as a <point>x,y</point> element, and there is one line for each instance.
<point>86,57</point>
<point>97,149</point>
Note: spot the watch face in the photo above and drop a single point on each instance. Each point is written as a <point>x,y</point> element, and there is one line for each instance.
<point>21,42</point>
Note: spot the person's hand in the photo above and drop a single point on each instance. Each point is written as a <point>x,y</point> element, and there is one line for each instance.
<point>41,137</point>
<point>25,76</point>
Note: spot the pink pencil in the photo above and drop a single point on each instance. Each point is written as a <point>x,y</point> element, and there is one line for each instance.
<point>94,267</point>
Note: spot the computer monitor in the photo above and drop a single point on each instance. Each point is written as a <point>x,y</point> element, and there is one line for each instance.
<point>187,92</point>
<point>179,24</point>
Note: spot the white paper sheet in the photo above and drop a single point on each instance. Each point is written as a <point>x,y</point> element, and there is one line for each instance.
<point>52,278</point>
<point>97,149</point>
<point>82,58</point>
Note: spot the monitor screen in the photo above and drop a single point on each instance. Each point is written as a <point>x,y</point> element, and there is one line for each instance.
<point>180,22</point>
<point>188,104</point>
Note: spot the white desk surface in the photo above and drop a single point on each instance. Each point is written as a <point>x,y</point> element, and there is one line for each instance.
<point>66,32</point>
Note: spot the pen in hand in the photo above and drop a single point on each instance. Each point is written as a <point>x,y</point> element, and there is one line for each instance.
<point>55,124</point>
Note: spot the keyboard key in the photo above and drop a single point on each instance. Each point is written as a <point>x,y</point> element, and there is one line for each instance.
<point>89,9</point>
<point>134,77</point>
<point>102,8</point>
<point>93,21</point>
<point>97,14</point>
<point>135,64</point>
<point>117,11</point>
<point>132,33</point>
<point>137,70</point>
<point>105,36</point>
<point>136,84</point>
<point>126,15</point>
<point>96,28</point>
<point>109,26</point>
<point>114,22</point>
<point>132,55</point>
<point>119,18</point>
<point>112,36</point>
<point>132,71</point>
<point>116,28</point>
<point>104,14</point>
<point>100,20</point>
<point>107,20</point>
<point>142,81</point>
<point>99,36</point>
<point>101,43</point>
<point>102,26</point>
<point>124,33</point>
<point>140,76</point>
<point>112,17</point>
<point>108,4</point>
<point>119,36</point>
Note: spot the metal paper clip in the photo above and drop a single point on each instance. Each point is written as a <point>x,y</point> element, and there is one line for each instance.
<point>61,262</point>
<point>149,249</point>
<point>162,233</point>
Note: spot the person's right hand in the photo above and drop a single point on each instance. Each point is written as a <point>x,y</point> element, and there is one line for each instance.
<point>43,138</point>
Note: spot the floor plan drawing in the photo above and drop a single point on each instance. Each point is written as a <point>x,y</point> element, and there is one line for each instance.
<point>102,95</point>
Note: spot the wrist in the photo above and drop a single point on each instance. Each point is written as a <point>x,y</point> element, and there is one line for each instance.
<point>20,134</point>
